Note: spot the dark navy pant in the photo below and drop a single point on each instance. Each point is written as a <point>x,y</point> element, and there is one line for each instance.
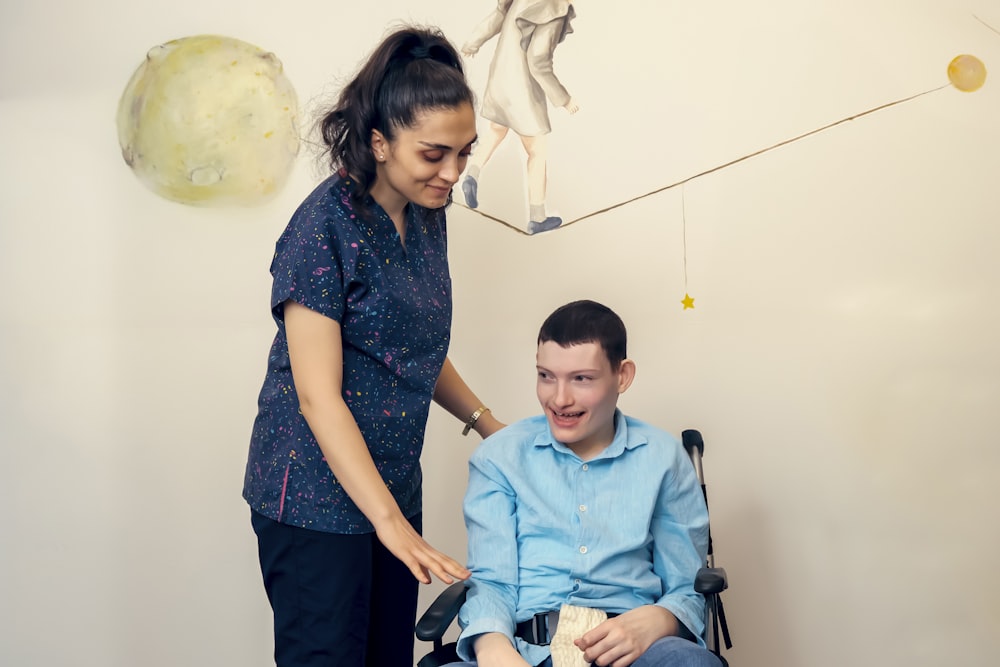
<point>338,600</point>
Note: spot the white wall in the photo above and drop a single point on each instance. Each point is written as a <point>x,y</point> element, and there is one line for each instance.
<point>841,360</point>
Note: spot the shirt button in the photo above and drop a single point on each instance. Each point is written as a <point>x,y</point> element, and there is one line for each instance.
<point>583,550</point>
<point>586,467</point>
<point>583,508</point>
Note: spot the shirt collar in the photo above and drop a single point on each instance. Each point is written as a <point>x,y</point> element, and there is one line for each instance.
<point>624,439</point>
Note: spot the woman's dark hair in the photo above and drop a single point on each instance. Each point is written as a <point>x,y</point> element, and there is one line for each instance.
<point>587,322</point>
<point>413,70</point>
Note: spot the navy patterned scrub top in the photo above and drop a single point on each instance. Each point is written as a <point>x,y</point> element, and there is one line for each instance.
<point>394,309</point>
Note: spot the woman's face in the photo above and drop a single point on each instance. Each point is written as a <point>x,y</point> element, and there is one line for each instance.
<point>423,162</point>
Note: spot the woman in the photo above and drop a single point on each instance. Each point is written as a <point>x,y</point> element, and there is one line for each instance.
<point>362,301</point>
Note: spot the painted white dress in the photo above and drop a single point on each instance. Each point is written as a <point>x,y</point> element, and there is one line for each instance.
<point>521,75</point>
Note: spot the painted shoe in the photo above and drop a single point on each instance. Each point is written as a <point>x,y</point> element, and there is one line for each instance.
<point>470,189</point>
<point>545,225</point>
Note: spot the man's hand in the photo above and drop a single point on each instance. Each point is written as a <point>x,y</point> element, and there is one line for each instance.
<point>619,641</point>
<point>495,650</point>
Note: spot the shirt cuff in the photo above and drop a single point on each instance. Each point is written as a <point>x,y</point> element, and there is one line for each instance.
<point>467,640</point>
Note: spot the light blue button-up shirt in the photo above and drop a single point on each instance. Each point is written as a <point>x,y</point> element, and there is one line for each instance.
<point>624,529</point>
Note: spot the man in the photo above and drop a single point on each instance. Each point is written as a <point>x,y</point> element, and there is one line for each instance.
<point>586,507</point>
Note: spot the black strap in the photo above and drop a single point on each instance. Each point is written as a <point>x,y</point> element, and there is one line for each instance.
<point>725,626</point>
<point>539,629</point>
<point>718,614</point>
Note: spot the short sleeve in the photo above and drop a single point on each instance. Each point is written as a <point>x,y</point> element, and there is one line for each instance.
<point>308,264</point>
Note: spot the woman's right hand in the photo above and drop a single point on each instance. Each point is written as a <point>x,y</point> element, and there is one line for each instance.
<point>406,544</point>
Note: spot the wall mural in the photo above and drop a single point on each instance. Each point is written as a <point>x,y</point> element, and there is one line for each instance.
<point>210,120</point>
<point>521,84</point>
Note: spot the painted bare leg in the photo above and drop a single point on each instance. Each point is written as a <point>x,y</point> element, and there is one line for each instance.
<point>480,156</point>
<point>538,152</point>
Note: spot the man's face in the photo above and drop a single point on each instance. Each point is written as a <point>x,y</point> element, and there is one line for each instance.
<point>578,391</point>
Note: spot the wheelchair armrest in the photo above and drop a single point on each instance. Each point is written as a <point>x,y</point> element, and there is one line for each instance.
<point>711,580</point>
<point>435,621</point>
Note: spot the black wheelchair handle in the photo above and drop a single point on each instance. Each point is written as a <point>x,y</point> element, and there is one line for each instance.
<point>692,440</point>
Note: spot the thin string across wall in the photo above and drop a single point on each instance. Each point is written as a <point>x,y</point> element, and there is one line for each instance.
<point>708,171</point>
<point>751,155</point>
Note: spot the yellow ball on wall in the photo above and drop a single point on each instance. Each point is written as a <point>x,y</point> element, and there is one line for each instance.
<point>209,120</point>
<point>967,73</point>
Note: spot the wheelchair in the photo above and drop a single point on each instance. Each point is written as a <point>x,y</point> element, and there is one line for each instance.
<point>710,582</point>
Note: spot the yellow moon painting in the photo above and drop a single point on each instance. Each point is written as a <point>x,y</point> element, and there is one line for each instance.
<point>210,120</point>
<point>967,73</point>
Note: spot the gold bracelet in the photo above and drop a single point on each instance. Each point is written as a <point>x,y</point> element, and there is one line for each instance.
<point>474,418</point>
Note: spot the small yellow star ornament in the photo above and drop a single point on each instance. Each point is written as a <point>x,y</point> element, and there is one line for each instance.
<point>688,301</point>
